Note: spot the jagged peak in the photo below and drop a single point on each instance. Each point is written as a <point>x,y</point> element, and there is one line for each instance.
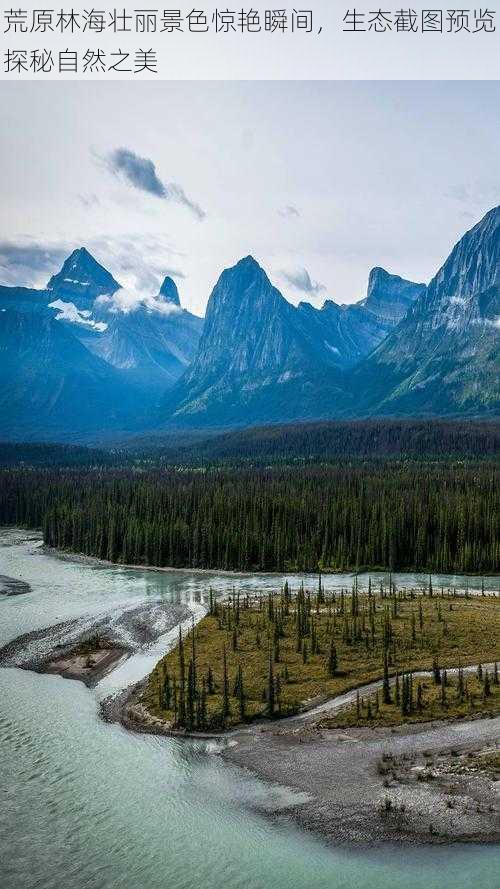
<point>247,267</point>
<point>169,291</point>
<point>82,271</point>
<point>248,261</point>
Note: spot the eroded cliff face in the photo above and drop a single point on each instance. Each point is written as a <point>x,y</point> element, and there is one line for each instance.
<point>443,357</point>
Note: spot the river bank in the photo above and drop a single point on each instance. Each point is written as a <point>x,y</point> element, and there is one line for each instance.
<point>12,586</point>
<point>458,580</point>
<point>89,648</point>
<point>336,773</point>
<point>413,784</point>
<point>422,783</point>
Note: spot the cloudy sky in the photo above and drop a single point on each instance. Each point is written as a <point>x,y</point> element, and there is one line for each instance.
<point>320,181</point>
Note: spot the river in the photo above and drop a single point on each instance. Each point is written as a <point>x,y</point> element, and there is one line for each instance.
<point>87,805</point>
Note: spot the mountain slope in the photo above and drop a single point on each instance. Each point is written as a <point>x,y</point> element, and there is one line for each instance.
<point>78,360</point>
<point>152,343</point>
<point>262,359</point>
<point>443,357</point>
<point>82,278</point>
<point>254,358</point>
<point>52,387</point>
<point>352,331</point>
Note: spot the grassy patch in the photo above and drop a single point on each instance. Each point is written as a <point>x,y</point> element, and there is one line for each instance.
<point>436,702</point>
<point>271,657</point>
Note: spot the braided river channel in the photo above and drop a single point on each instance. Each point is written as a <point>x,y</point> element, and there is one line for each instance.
<point>88,805</point>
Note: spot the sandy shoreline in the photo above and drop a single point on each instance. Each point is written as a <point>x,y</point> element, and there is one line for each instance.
<point>419,783</point>
<point>82,558</point>
<point>89,647</point>
<point>84,666</point>
<point>414,783</point>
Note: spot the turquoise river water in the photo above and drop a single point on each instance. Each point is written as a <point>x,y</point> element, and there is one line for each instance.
<point>87,805</point>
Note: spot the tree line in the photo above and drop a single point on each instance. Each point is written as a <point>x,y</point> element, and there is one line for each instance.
<point>400,516</point>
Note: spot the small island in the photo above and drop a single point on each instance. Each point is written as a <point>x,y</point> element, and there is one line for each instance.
<point>264,658</point>
<point>378,706</point>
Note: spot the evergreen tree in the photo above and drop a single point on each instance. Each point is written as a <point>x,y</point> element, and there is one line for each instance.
<point>210,681</point>
<point>386,688</point>
<point>181,717</point>
<point>241,695</point>
<point>486,685</point>
<point>226,709</point>
<point>332,658</point>
<point>420,698</point>
<point>270,689</point>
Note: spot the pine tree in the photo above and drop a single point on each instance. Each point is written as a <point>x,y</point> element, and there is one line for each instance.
<point>486,685</point>
<point>278,694</point>
<point>210,681</point>
<point>226,709</point>
<point>182,682</point>
<point>386,688</point>
<point>174,700</point>
<point>270,689</point>
<point>436,671</point>
<point>202,708</point>
<point>167,692</point>
<point>191,697</point>
<point>241,694</point>
<point>332,659</point>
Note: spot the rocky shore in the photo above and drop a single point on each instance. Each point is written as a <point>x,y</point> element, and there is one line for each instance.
<point>421,783</point>
<point>88,648</point>
<point>11,586</point>
<point>425,783</point>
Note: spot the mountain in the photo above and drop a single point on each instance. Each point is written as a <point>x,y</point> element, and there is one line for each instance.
<point>152,342</point>
<point>51,386</point>
<point>254,357</point>
<point>443,358</point>
<point>85,357</point>
<point>169,292</point>
<point>262,359</point>
<point>80,357</point>
<point>83,279</point>
<point>352,331</point>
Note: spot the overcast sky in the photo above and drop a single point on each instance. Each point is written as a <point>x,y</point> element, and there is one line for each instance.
<point>320,181</point>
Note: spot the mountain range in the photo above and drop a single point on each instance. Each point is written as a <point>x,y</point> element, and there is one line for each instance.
<point>81,360</point>
<point>84,358</point>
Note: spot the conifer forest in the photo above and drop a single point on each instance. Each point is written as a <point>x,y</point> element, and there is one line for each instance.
<point>399,515</point>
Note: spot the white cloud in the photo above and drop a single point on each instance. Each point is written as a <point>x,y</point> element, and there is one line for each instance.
<point>290,211</point>
<point>69,312</point>
<point>125,301</point>
<point>301,280</point>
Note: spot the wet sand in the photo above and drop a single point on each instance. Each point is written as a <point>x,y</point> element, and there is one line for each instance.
<point>87,667</point>
<point>11,586</point>
<point>89,647</point>
<point>418,783</point>
<point>414,783</point>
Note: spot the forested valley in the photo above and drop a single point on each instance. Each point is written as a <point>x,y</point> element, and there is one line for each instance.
<point>426,516</point>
